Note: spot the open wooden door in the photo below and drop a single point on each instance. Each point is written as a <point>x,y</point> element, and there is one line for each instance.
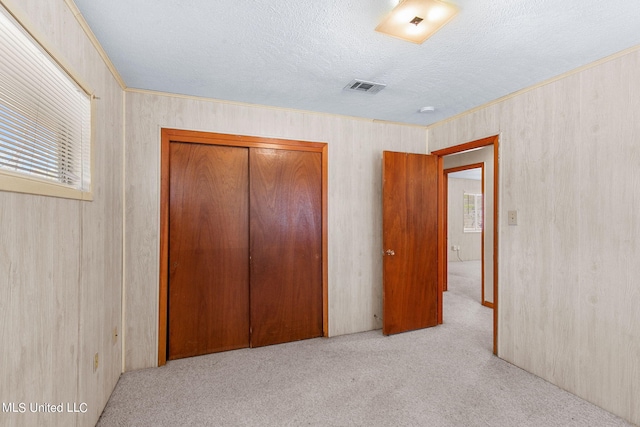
<point>410,241</point>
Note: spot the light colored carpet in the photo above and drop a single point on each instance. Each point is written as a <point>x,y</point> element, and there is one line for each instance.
<point>442,376</point>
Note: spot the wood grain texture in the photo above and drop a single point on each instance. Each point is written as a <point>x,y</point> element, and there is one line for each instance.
<point>208,249</point>
<point>354,217</point>
<point>410,231</point>
<point>569,163</point>
<point>442,239</point>
<point>286,246</point>
<point>61,260</point>
<point>304,149</point>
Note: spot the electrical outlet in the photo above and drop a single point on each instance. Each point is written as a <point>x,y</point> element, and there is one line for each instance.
<point>512,217</point>
<point>95,362</point>
<point>453,248</point>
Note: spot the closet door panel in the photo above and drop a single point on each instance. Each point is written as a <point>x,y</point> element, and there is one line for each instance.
<point>208,249</point>
<point>285,245</point>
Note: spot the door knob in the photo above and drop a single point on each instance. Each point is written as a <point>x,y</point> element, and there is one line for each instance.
<point>390,252</point>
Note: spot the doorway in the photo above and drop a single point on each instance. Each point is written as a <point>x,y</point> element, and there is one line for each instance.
<point>464,192</point>
<point>465,302</point>
<point>265,193</point>
<point>490,220</point>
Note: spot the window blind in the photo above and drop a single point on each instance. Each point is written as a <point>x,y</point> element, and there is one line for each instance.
<point>45,117</point>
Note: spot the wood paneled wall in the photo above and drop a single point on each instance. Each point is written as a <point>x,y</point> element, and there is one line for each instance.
<point>568,272</point>
<point>61,260</point>
<point>355,222</point>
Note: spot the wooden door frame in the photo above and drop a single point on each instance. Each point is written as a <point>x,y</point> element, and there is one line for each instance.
<point>188,136</point>
<point>445,266</point>
<point>442,244</point>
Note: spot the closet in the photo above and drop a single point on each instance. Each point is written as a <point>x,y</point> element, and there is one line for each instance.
<point>245,241</point>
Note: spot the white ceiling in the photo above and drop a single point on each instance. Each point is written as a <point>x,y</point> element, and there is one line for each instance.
<point>475,174</point>
<point>300,54</point>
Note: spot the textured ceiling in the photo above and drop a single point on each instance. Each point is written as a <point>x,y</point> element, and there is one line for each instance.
<point>475,174</point>
<point>300,54</point>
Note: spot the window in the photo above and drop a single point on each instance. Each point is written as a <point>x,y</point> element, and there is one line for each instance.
<point>45,120</point>
<point>472,207</point>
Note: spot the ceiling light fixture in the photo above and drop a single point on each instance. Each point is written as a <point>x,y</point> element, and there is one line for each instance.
<point>417,20</point>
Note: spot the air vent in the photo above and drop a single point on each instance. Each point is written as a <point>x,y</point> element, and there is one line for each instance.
<point>364,86</point>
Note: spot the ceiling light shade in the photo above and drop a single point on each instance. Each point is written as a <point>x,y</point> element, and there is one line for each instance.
<point>416,20</point>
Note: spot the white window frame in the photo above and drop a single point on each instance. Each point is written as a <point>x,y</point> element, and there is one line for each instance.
<point>24,182</point>
<point>478,215</point>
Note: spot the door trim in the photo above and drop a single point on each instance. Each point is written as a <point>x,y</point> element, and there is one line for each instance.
<point>178,135</point>
<point>491,140</point>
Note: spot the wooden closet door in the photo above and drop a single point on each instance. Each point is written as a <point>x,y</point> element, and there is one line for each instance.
<point>208,249</point>
<point>285,245</point>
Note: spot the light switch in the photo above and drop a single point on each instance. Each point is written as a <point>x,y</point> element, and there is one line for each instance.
<point>512,217</point>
